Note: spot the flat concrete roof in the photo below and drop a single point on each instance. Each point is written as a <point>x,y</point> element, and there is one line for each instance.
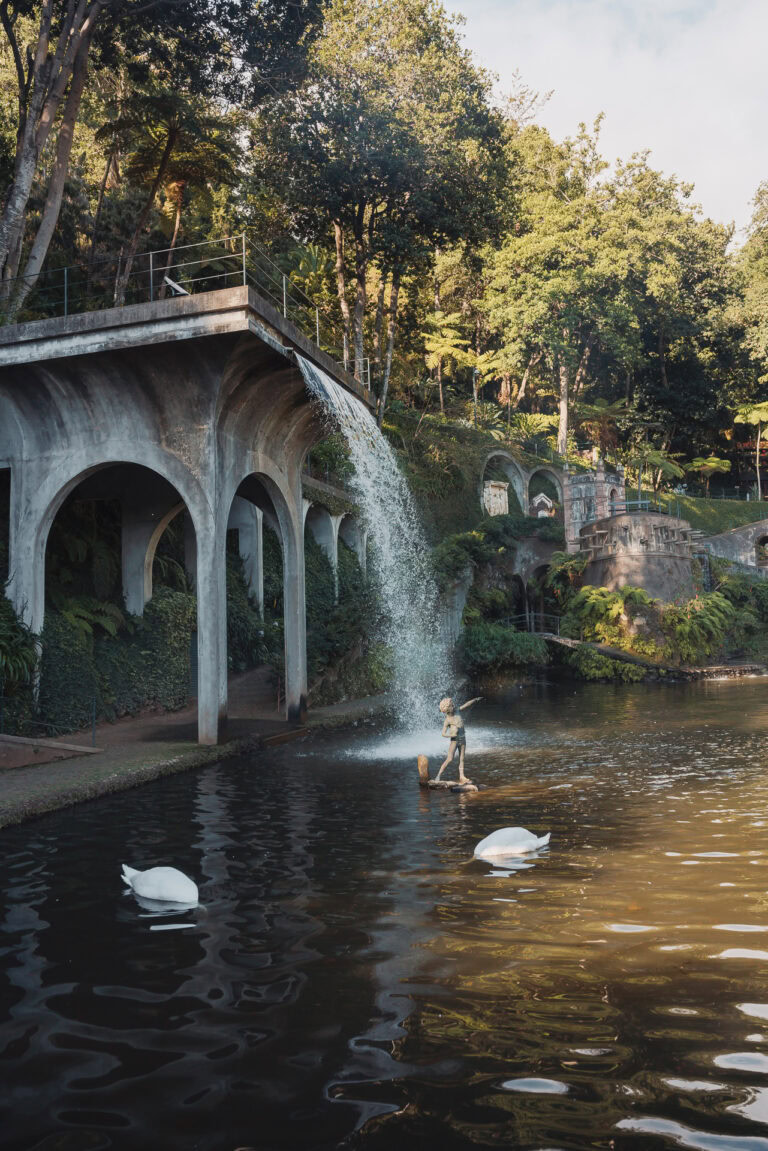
<point>228,310</point>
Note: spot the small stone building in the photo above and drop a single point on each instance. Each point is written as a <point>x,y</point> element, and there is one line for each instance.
<point>590,496</point>
<point>542,506</point>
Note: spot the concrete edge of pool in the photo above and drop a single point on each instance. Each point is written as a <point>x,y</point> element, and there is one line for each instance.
<point>38,789</point>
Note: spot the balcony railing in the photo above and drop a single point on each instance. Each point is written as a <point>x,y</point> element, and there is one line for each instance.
<point>183,271</point>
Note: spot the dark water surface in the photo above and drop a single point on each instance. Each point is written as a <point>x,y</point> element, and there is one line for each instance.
<point>356,979</point>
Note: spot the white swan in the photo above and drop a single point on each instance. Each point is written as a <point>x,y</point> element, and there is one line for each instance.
<point>509,841</point>
<point>162,884</point>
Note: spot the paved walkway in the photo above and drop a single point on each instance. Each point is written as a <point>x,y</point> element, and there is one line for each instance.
<point>137,749</point>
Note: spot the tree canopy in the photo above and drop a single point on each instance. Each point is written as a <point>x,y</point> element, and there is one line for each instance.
<point>467,261</point>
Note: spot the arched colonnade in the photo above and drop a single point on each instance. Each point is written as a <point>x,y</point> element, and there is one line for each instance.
<point>521,479</point>
<point>189,407</point>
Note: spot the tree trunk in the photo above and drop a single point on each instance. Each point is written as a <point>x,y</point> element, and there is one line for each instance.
<point>341,288</point>
<point>757,462</point>
<point>526,375</point>
<point>361,269</point>
<point>377,330</point>
<point>41,92</point>
<point>581,371</point>
<point>122,282</point>
<point>562,427</point>
<point>55,194</point>
<point>99,206</point>
<point>176,229</point>
<point>394,293</point>
<point>438,308</point>
<point>662,359</point>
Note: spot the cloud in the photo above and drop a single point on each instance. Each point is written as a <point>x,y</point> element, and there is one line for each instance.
<point>686,79</point>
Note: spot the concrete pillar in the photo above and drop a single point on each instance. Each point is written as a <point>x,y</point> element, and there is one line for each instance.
<point>295,621</point>
<point>142,530</point>
<point>211,634</point>
<point>325,530</point>
<point>26,565</point>
<point>247,520</point>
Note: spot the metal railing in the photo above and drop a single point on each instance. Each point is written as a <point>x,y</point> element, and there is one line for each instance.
<point>534,621</point>
<point>187,270</point>
<point>637,507</point>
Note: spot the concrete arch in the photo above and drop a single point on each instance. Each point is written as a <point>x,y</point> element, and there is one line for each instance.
<point>270,493</point>
<point>34,513</point>
<point>514,473</point>
<point>761,551</point>
<point>325,530</point>
<point>34,507</point>
<point>553,475</point>
<point>139,555</point>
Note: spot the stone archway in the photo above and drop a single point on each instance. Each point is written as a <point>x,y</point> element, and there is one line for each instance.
<point>761,552</point>
<point>503,463</point>
<point>547,480</point>
<point>134,504</point>
<point>278,511</point>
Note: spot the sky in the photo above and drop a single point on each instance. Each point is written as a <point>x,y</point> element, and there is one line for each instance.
<point>686,79</point>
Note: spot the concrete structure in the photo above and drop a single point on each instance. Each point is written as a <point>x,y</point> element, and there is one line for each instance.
<point>519,478</point>
<point>495,498</point>
<point>745,546</point>
<point>194,404</point>
<point>590,496</point>
<point>542,506</point>
<point>649,550</point>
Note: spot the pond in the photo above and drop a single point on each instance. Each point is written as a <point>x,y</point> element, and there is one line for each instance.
<point>356,979</point>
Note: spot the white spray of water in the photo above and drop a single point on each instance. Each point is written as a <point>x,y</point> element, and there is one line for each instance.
<point>423,659</point>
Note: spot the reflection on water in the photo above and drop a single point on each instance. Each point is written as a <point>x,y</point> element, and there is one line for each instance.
<point>353,977</point>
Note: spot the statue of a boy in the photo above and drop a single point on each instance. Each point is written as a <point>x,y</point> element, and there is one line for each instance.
<point>453,729</point>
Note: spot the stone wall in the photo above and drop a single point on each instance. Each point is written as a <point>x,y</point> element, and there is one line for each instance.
<point>590,496</point>
<point>648,550</point>
<point>739,545</point>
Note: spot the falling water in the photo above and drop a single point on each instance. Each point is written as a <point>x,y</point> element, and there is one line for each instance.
<point>401,555</point>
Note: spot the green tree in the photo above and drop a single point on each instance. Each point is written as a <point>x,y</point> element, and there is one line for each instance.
<point>445,348</point>
<point>558,282</point>
<point>708,466</point>
<point>391,142</point>
<point>756,415</point>
<point>213,47</point>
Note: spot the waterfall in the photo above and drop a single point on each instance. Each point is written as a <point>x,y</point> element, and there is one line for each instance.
<point>413,629</point>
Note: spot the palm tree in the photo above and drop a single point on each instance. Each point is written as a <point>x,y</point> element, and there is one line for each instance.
<point>707,466</point>
<point>757,415</point>
<point>598,420</point>
<point>445,348</point>
<point>171,126</point>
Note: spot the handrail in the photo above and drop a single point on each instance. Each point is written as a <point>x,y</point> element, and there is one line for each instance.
<point>195,268</point>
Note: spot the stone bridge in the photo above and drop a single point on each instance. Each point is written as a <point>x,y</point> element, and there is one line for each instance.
<point>193,405</point>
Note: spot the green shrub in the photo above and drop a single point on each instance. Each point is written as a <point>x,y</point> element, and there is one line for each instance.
<point>493,536</point>
<point>697,629</point>
<point>146,665</point>
<point>18,653</point>
<point>491,647</point>
<point>589,664</point>
<point>246,645</point>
